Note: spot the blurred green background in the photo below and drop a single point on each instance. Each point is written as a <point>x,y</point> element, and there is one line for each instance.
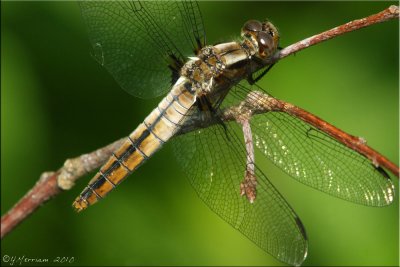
<point>56,100</point>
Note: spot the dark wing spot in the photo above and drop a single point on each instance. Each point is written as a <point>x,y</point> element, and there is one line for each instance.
<point>382,171</point>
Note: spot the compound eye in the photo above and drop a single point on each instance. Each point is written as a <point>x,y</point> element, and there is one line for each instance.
<point>253,25</point>
<point>269,28</point>
<point>265,40</point>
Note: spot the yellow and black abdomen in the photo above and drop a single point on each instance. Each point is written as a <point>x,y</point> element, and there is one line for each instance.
<point>199,76</point>
<point>162,123</point>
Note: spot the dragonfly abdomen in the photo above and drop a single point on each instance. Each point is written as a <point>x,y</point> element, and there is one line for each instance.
<point>162,123</point>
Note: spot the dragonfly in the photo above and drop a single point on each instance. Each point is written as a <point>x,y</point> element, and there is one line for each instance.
<point>159,48</point>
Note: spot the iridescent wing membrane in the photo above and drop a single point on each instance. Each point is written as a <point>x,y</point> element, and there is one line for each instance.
<point>143,44</point>
<point>214,160</point>
<point>316,159</point>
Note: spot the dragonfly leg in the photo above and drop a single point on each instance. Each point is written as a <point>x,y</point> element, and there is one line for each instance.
<point>249,183</point>
<point>210,113</point>
<point>253,79</point>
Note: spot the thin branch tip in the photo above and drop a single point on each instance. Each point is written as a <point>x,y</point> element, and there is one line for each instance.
<point>394,9</point>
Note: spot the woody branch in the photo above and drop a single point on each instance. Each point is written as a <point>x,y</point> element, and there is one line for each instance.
<point>51,184</point>
<point>268,103</point>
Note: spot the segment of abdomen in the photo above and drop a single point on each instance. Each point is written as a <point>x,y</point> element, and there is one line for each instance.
<point>162,123</point>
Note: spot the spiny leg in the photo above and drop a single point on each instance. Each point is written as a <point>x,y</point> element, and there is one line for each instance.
<point>206,107</point>
<point>249,183</point>
<point>252,80</point>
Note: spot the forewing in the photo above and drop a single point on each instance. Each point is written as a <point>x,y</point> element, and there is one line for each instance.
<point>317,160</point>
<point>143,44</point>
<point>215,166</point>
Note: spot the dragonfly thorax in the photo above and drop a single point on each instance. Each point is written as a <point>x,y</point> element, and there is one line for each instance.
<point>202,70</point>
<point>225,64</point>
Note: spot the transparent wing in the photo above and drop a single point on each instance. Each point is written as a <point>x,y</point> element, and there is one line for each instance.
<point>215,166</point>
<point>143,44</point>
<point>316,159</point>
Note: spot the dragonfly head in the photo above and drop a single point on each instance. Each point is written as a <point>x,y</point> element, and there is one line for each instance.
<point>263,36</point>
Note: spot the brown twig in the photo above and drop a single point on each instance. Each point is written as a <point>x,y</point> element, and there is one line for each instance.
<point>266,103</point>
<point>51,184</point>
<point>43,190</point>
<point>353,142</point>
<point>391,12</point>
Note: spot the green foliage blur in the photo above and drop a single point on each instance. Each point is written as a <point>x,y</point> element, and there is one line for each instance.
<point>57,102</point>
